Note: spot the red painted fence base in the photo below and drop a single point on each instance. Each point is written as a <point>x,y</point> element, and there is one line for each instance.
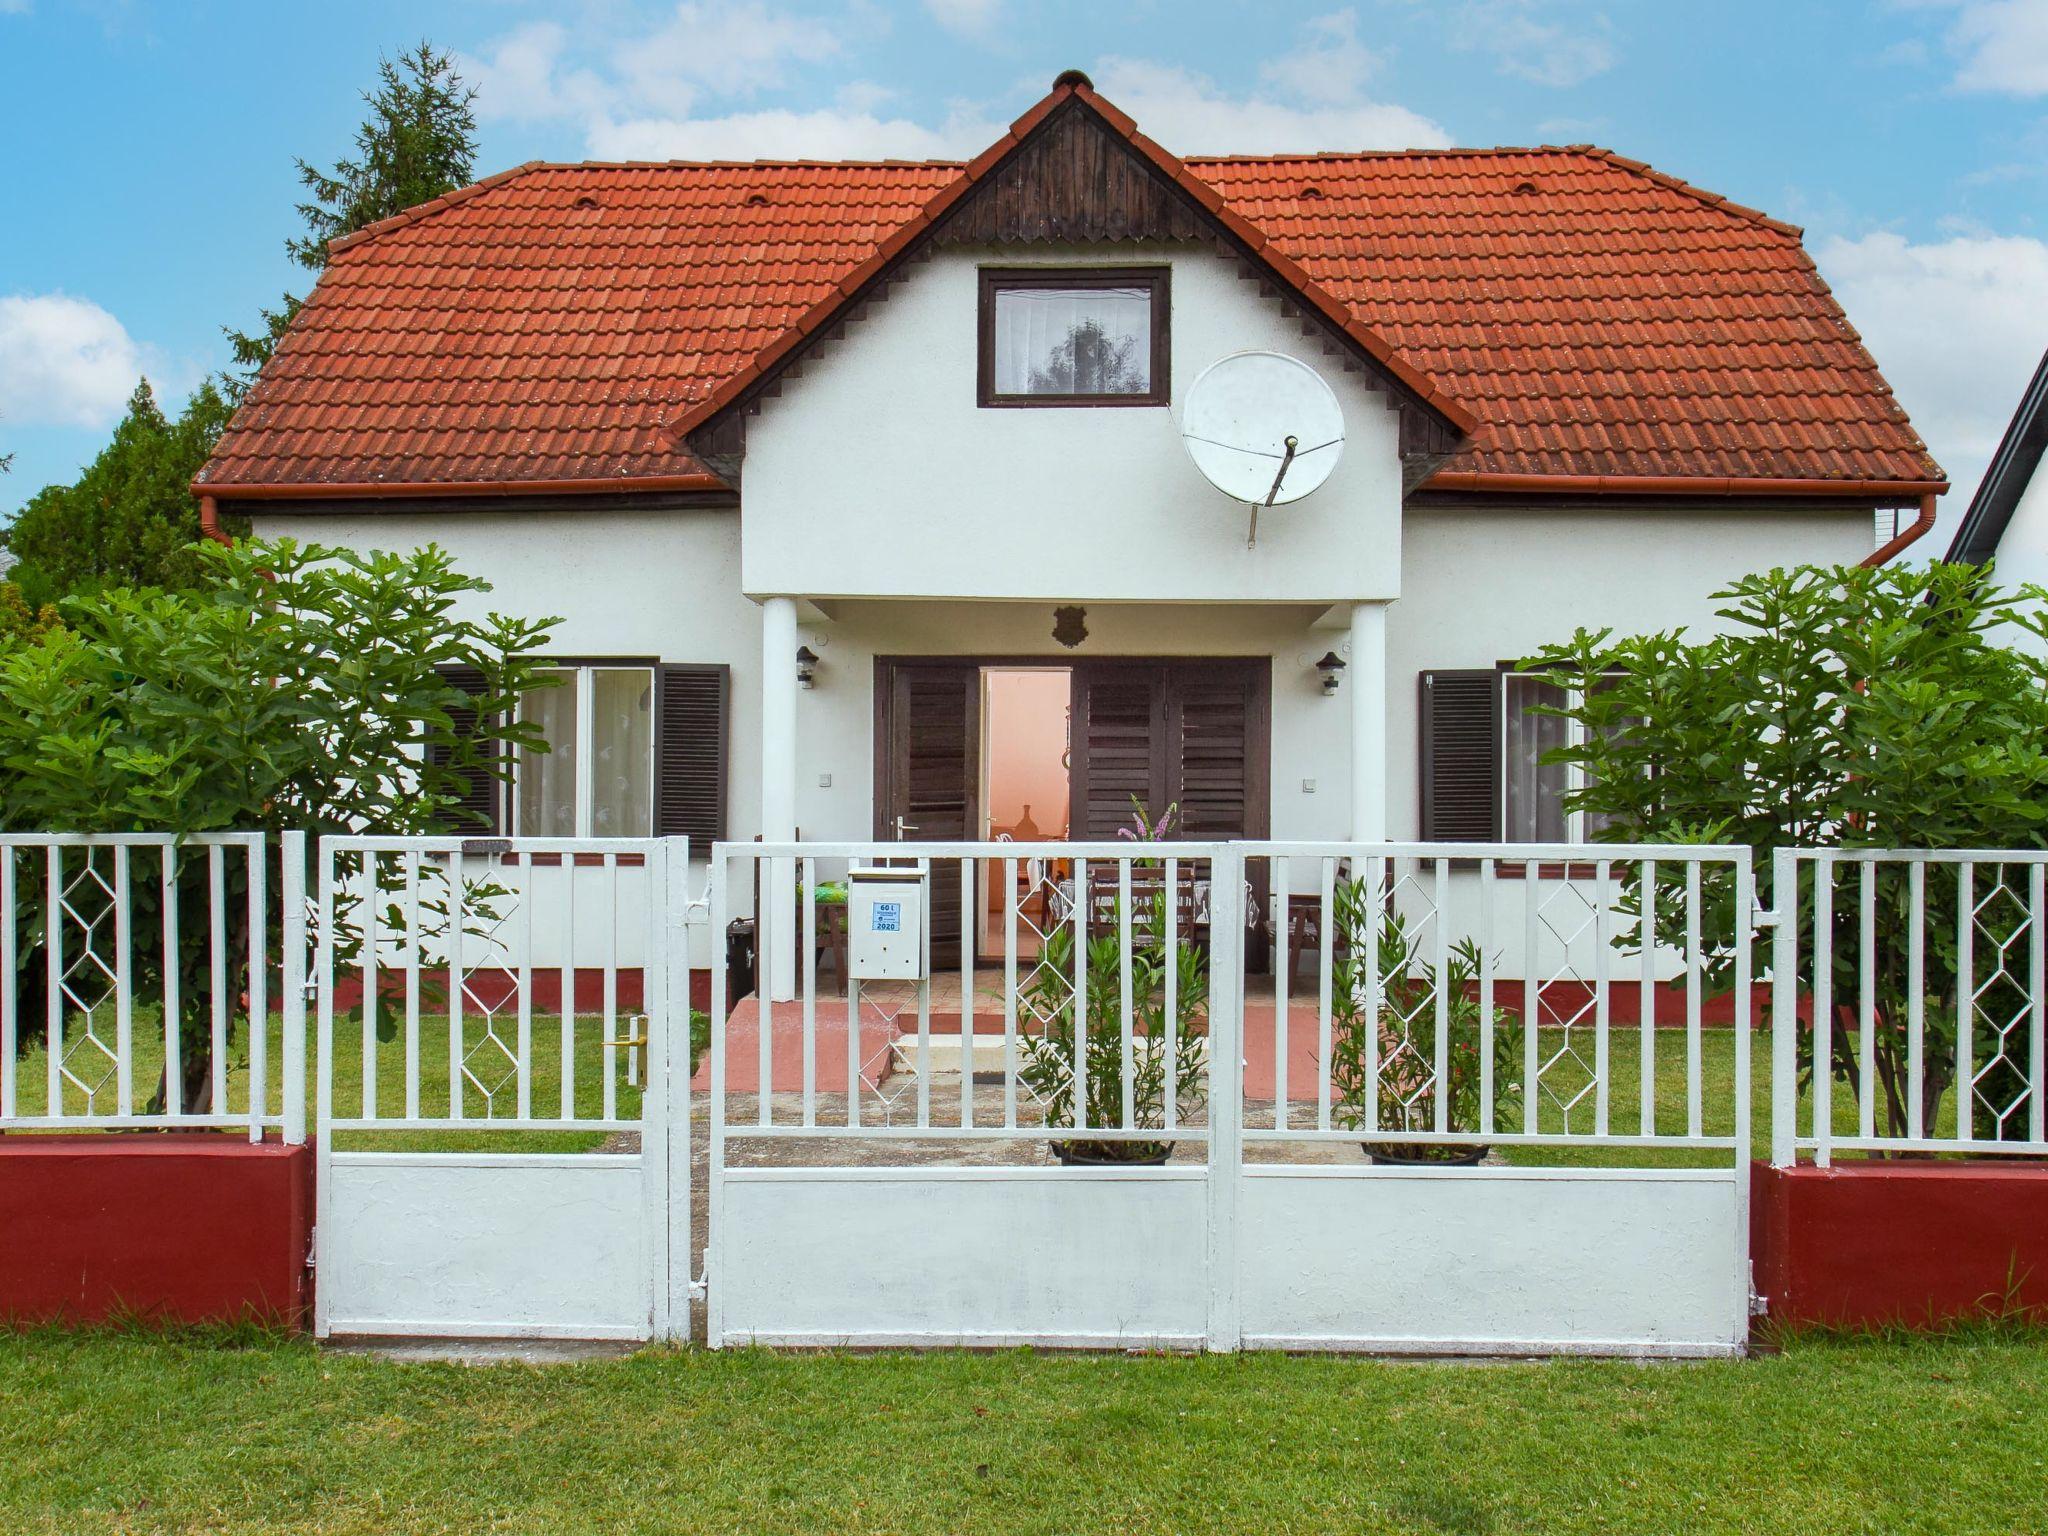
<point>1866,1245</point>
<point>178,1228</point>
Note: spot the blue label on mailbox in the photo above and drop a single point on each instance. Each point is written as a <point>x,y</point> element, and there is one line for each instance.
<point>888,917</point>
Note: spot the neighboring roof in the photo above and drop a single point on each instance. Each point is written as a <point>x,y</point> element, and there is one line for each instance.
<point>556,323</point>
<point>2005,481</point>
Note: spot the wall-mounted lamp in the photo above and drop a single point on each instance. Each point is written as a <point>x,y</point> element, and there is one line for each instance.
<point>806,666</point>
<point>1332,669</point>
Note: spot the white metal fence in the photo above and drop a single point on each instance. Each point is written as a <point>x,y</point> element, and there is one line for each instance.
<point>1910,1003</point>
<point>1462,999</point>
<point>129,961</point>
<point>1301,1039</point>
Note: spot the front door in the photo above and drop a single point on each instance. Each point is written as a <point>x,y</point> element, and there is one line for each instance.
<point>928,771</point>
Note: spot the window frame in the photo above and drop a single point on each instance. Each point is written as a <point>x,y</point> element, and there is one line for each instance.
<point>581,668</point>
<point>1575,773</point>
<point>1158,279</point>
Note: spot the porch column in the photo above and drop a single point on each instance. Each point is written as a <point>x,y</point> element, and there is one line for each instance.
<point>1368,722</point>
<point>778,790</point>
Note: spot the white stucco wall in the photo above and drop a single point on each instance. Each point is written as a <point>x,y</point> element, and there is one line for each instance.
<point>876,473</point>
<point>2023,549</point>
<point>1483,586</point>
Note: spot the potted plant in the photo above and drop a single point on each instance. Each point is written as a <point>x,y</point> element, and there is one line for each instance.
<point>1046,1066</point>
<point>1404,1030</point>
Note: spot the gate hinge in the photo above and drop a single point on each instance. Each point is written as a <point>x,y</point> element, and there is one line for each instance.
<point>1766,917</point>
<point>312,1247</point>
<point>1759,1306</point>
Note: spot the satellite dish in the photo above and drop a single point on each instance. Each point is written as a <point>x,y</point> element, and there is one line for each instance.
<point>1263,428</point>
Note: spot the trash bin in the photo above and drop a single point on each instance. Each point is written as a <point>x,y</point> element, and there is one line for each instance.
<point>739,960</point>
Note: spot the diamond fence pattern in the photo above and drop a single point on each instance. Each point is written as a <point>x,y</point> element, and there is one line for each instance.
<point>85,928</point>
<point>2000,1004</point>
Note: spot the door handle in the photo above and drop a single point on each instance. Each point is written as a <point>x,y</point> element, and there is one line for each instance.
<point>903,826</point>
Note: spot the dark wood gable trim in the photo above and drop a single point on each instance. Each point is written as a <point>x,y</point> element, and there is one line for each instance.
<point>1074,179</point>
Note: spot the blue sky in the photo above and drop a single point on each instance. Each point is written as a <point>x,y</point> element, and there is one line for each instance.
<point>146,181</point>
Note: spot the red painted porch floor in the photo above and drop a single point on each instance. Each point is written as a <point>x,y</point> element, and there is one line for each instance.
<point>889,1012</point>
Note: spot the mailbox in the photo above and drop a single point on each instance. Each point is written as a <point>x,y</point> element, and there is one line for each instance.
<point>885,911</point>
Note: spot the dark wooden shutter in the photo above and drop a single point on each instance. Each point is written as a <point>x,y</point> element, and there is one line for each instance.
<point>481,808</point>
<point>1187,733</point>
<point>1119,742</point>
<point>1460,734</point>
<point>1217,770</point>
<point>690,749</point>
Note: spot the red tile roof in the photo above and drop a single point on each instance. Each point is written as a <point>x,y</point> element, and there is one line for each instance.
<point>557,322</point>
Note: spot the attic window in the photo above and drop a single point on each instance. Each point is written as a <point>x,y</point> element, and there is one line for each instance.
<point>1308,193</point>
<point>1524,188</point>
<point>585,203</point>
<point>1074,336</point>
<point>757,199</point>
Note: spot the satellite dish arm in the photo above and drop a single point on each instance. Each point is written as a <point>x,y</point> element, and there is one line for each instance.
<point>1287,458</point>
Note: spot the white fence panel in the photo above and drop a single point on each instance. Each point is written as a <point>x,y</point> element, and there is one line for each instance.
<point>97,1031</point>
<point>1910,998</point>
<point>1107,988</point>
<point>501,988</point>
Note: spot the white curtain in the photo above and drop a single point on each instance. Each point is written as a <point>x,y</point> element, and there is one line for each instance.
<point>622,752</point>
<point>1073,341</point>
<point>547,780</point>
<point>1534,789</point>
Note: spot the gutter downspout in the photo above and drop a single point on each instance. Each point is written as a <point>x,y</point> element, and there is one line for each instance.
<point>209,521</point>
<point>1919,528</point>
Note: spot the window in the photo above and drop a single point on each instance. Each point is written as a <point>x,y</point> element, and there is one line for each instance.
<point>1095,336</point>
<point>1484,737</point>
<point>638,747</point>
<point>597,778</point>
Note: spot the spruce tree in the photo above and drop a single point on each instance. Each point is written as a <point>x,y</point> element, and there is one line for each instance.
<point>418,141</point>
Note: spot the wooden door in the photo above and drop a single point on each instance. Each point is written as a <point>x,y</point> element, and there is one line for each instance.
<point>928,773</point>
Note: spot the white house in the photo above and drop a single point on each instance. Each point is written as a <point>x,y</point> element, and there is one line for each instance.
<point>2007,520</point>
<point>919,422</point>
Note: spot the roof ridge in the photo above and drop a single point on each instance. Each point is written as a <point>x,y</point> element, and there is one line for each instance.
<point>743,165</point>
<point>1444,152</point>
<point>429,208</point>
<point>1649,172</point>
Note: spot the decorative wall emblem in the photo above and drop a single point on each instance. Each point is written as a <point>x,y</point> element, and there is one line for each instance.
<point>1070,625</point>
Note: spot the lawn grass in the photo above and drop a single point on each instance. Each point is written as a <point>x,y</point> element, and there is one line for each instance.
<point>126,1433</point>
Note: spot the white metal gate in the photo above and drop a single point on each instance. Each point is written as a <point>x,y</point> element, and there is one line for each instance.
<point>481,1002</point>
<point>923,1208</point>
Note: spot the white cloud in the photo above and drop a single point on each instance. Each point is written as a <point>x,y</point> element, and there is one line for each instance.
<point>2003,46</point>
<point>1528,46</point>
<point>1330,67</point>
<point>678,93</point>
<point>822,134</point>
<point>1189,115</point>
<point>517,78</point>
<point>722,48</point>
<point>1958,327</point>
<point>966,18</point>
<point>65,361</point>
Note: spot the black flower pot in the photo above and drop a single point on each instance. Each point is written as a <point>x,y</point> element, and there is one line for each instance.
<point>1112,1154</point>
<point>1415,1154</point>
